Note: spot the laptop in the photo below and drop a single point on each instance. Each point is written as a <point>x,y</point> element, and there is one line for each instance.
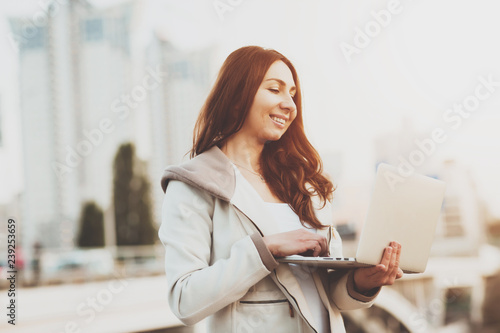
<point>403,208</point>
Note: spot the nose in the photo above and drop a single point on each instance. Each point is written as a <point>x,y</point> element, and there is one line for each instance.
<point>288,104</point>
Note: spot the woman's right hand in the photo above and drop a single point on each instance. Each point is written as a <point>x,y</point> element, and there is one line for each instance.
<point>298,241</point>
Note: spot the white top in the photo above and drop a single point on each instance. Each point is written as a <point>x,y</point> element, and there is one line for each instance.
<point>288,221</point>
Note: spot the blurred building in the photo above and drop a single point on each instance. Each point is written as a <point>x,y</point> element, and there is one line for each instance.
<point>346,197</point>
<point>461,228</point>
<point>175,105</point>
<point>9,202</point>
<point>73,66</point>
<point>1,124</point>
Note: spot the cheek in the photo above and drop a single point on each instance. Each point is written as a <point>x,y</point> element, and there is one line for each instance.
<point>255,119</point>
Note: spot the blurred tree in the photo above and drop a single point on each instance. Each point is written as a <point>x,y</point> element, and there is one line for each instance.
<point>91,233</point>
<point>132,199</point>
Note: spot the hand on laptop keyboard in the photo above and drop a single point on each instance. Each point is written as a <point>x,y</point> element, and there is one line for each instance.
<point>298,241</point>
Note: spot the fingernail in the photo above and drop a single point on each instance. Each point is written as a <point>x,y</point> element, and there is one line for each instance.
<point>389,250</point>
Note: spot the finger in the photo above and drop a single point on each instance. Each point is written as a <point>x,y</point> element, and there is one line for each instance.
<point>378,269</point>
<point>400,247</point>
<point>400,273</point>
<point>320,244</point>
<point>317,251</point>
<point>314,247</point>
<point>392,265</point>
<point>324,246</point>
<point>324,253</point>
<point>398,259</point>
<point>386,257</point>
<point>397,256</point>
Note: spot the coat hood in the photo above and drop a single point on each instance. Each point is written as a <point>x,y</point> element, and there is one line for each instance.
<point>210,171</point>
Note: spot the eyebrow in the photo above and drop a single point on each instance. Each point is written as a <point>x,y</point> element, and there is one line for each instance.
<point>282,83</point>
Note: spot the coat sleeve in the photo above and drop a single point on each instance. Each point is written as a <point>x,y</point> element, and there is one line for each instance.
<point>344,294</point>
<point>196,288</point>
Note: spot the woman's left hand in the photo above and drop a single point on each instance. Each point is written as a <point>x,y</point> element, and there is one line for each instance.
<point>382,274</point>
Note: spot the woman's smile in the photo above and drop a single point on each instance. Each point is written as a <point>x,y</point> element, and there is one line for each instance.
<point>278,121</point>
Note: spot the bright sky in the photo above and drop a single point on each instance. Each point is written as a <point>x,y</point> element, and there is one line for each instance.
<point>427,57</point>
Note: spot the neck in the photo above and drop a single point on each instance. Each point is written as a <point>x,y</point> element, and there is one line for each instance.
<point>243,151</point>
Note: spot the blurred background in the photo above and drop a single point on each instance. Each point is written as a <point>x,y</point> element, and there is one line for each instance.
<point>98,97</point>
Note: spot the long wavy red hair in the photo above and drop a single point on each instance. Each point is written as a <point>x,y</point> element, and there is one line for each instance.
<point>291,166</point>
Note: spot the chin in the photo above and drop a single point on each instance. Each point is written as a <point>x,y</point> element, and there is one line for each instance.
<point>272,136</point>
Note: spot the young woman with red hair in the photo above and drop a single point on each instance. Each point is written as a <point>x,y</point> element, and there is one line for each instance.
<point>254,190</point>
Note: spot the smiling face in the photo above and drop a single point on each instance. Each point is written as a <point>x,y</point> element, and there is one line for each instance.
<point>273,108</point>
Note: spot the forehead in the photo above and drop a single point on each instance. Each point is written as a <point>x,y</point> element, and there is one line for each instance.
<point>279,70</point>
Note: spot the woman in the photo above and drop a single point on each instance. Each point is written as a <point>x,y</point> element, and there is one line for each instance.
<point>255,191</point>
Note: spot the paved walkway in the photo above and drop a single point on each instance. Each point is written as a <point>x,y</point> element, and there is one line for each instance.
<point>113,306</point>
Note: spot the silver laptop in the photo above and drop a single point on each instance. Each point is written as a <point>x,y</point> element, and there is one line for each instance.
<point>402,208</point>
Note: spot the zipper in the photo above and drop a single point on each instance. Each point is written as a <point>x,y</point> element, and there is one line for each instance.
<point>291,307</point>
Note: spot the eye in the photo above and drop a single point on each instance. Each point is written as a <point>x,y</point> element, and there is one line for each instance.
<point>274,90</point>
